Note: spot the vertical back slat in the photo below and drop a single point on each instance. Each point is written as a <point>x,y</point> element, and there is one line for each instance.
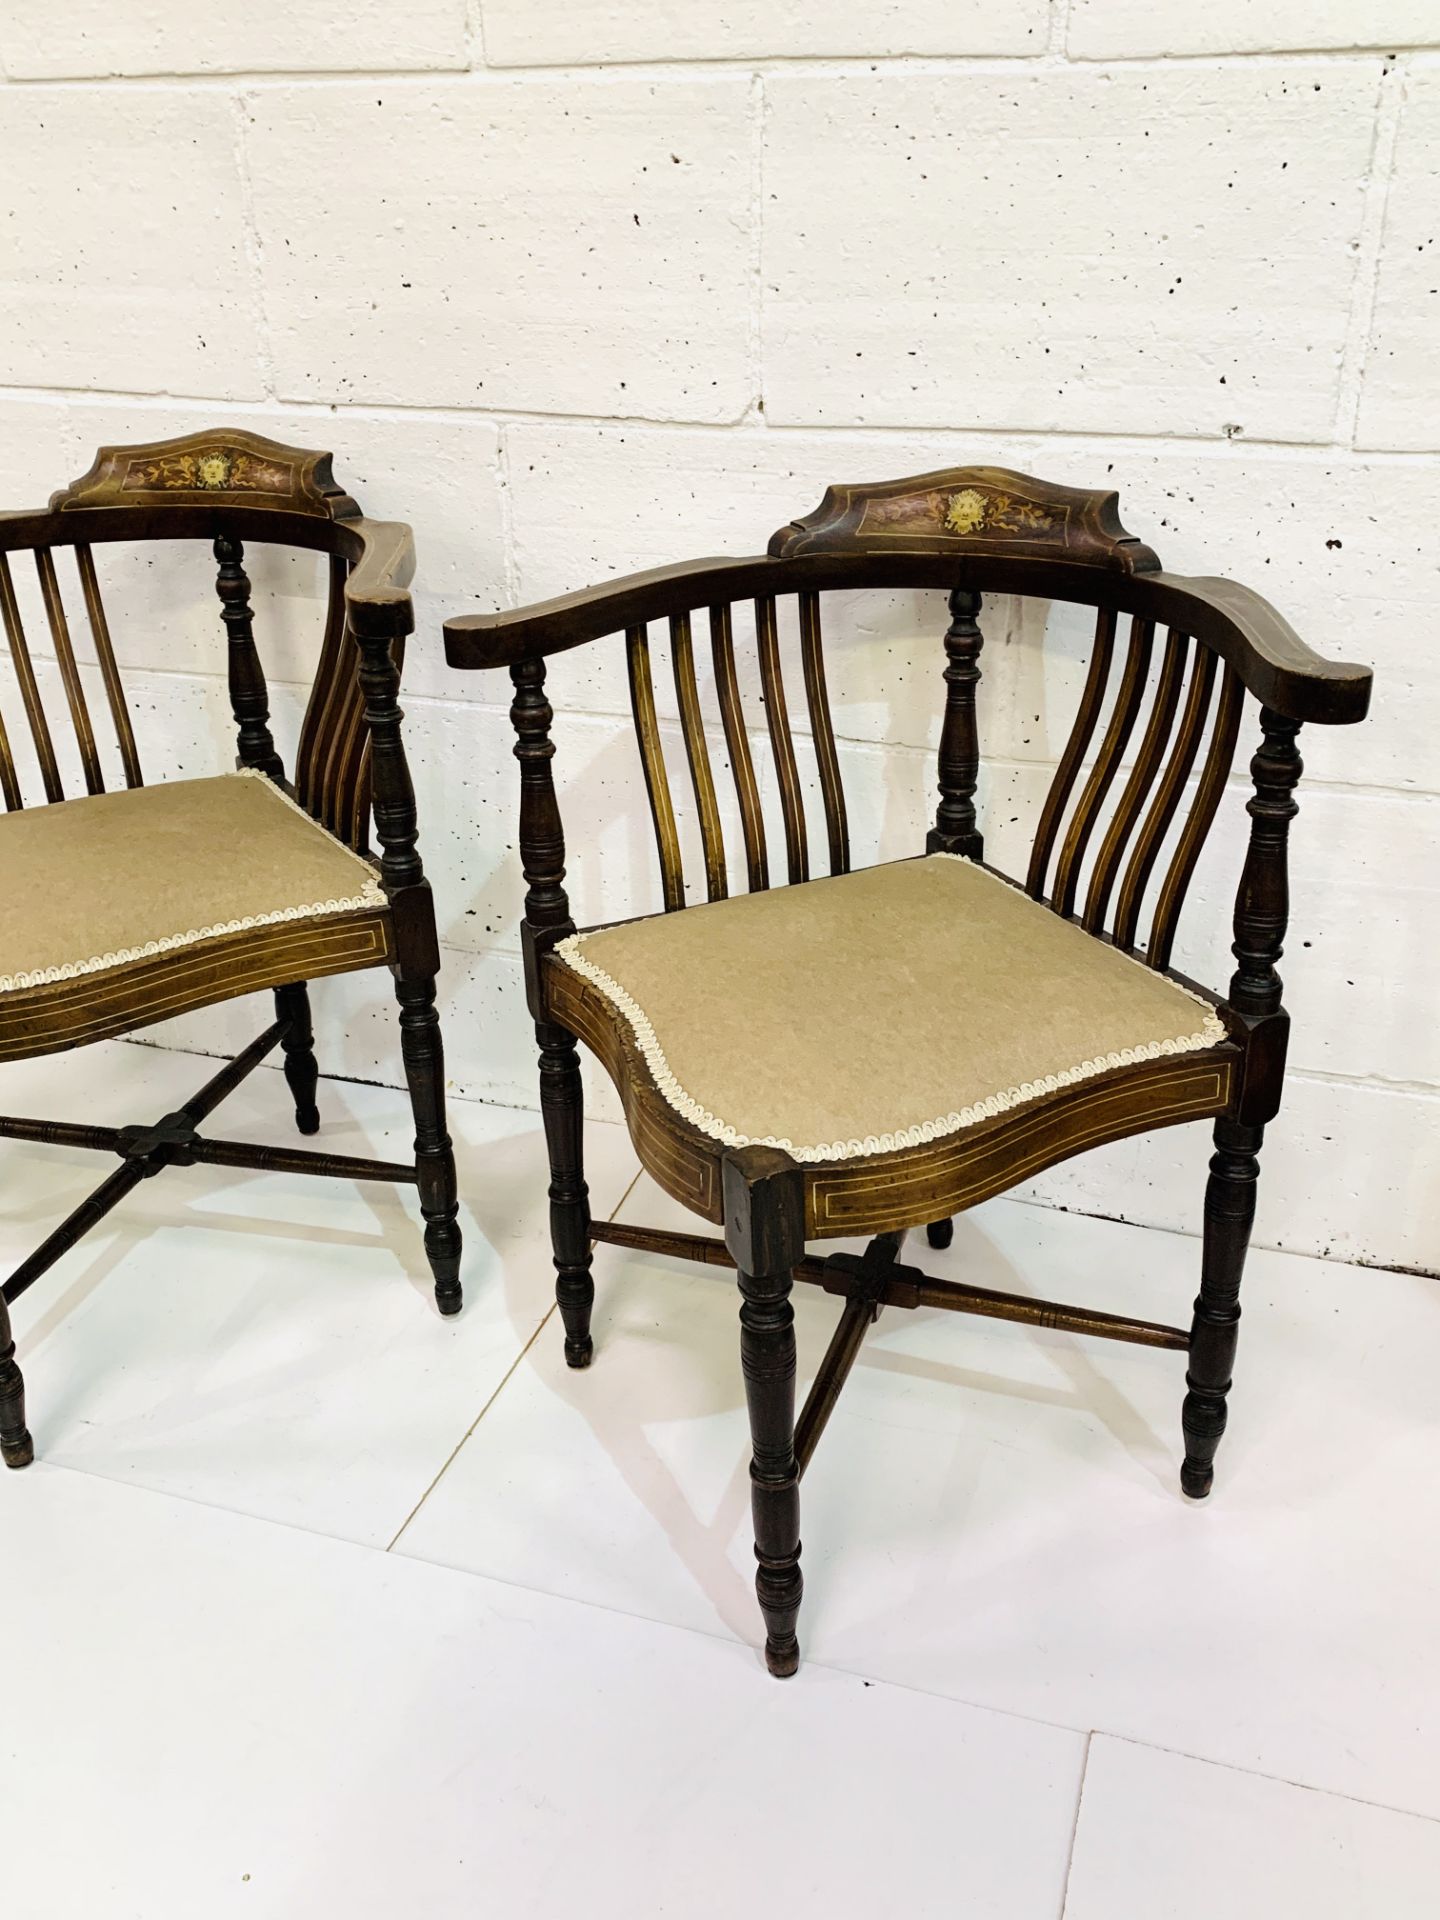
<point>29,691</point>
<point>9,780</point>
<point>1082,731</point>
<point>777,719</point>
<point>682,661</point>
<point>314,757</point>
<point>727,686</point>
<point>822,731</point>
<point>1167,797</point>
<point>332,766</point>
<point>350,764</point>
<point>109,671</point>
<point>657,784</point>
<point>1142,776</point>
<point>1107,761</point>
<point>69,672</point>
<point>330,715</point>
<point>1197,824</point>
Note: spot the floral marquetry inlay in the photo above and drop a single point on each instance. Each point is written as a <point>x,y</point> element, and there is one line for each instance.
<point>971,511</point>
<point>218,469</point>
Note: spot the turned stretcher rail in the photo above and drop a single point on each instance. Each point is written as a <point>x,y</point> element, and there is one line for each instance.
<point>909,1287</point>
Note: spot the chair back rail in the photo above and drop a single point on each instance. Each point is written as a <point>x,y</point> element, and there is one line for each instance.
<point>225,486</point>
<point>1106,819</point>
<point>1081,809</point>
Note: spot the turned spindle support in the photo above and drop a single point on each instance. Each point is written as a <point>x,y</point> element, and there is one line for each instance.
<point>249,700</point>
<point>959,769</point>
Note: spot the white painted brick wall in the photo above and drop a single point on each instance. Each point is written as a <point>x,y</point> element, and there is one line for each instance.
<point>1069,247</point>
<point>595,285</point>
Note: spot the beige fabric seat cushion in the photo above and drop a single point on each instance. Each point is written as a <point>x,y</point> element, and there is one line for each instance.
<point>97,883</point>
<point>879,1009</point>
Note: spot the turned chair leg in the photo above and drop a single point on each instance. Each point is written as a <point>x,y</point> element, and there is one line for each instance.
<point>940,1233</point>
<point>424,1056</point>
<point>292,1010</point>
<point>1229,1213</point>
<point>562,1106</point>
<point>16,1447</point>
<point>764,1230</point>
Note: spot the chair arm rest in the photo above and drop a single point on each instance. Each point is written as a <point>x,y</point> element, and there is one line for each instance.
<point>1270,657</point>
<point>487,640</point>
<point>377,592</point>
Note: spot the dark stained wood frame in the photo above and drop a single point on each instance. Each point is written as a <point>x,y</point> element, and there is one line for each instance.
<point>970,531</point>
<point>228,486</point>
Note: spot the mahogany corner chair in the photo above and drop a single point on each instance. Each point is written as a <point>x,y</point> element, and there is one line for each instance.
<point>878,1050</point>
<point>125,907</point>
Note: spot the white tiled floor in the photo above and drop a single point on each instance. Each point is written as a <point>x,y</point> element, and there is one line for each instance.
<point>1037,1681</point>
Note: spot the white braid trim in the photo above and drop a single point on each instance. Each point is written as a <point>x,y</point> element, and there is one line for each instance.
<point>1210,1033</point>
<point>372,894</point>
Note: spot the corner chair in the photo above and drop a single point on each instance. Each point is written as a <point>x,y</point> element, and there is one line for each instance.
<point>871,1052</point>
<point>127,902</point>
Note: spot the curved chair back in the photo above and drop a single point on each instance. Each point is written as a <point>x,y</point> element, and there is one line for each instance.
<point>1115,843</point>
<point>226,487</point>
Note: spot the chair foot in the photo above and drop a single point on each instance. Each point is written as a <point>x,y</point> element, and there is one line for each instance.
<point>442,1249</point>
<point>940,1233</point>
<point>17,1449</point>
<point>579,1353</point>
<point>779,1586</point>
<point>302,1071</point>
<point>783,1657</point>
<point>1196,1479</point>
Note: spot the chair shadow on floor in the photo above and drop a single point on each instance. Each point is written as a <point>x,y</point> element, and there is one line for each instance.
<point>192,1199</point>
<point>701,1381</point>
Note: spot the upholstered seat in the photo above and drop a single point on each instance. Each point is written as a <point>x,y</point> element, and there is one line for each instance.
<point>881,1009</point>
<point>117,905</point>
